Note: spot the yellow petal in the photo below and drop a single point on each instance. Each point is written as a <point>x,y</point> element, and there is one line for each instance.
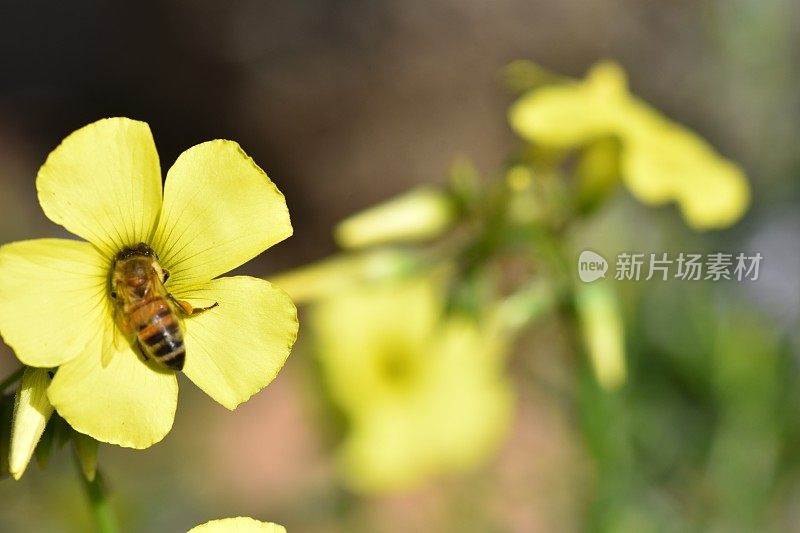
<point>241,524</point>
<point>363,336</point>
<point>127,402</point>
<point>472,403</point>
<point>384,451</point>
<point>571,114</point>
<point>52,298</point>
<point>664,162</point>
<point>420,214</point>
<point>103,183</point>
<point>32,410</point>
<point>220,211</point>
<point>237,348</point>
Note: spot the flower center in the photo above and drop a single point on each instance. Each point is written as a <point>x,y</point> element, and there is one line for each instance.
<point>398,369</point>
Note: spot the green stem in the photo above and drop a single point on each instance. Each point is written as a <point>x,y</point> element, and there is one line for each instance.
<point>13,378</point>
<point>104,519</point>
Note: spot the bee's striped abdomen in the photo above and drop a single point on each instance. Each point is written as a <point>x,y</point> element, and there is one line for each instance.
<point>159,332</point>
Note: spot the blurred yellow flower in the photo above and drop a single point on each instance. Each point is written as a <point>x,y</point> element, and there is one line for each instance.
<point>241,524</point>
<point>661,161</point>
<point>424,392</point>
<point>219,210</point>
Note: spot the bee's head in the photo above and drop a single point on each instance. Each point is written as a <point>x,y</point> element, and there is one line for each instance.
<point>140,249</point>
<point>134,270</point>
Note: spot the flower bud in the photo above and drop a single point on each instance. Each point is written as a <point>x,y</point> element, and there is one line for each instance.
<point>603,333</point>
<point>86,451</point>
<point>32,410</point>
<point>418,215</point>
<point>341,273</point>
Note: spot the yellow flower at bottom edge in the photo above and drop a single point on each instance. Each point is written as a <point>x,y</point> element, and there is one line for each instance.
<point>219,210</point>
<point>241,524</point>
<point>424,392</point>
<point>661,161</point>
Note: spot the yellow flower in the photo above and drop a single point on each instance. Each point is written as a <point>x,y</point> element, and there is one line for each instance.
<point>661,161</point>
<point>241,524</point>
<point>424,392</point>
<point>219,210</point>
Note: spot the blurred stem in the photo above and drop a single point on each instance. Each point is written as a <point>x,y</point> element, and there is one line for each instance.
<point>601,418</point>
<point>13,378</point>
<point>104,519</point>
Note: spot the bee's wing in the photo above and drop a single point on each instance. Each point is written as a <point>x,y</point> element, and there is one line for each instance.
<point>115,337</point>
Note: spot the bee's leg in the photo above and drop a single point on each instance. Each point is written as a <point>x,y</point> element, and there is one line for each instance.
<point>166,275</point>
<point>187,309</point>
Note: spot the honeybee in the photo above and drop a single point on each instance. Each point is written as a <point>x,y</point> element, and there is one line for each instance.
<point>145,311</point>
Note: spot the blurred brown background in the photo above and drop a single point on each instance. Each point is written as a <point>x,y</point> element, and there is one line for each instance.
<point>346,103</point>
